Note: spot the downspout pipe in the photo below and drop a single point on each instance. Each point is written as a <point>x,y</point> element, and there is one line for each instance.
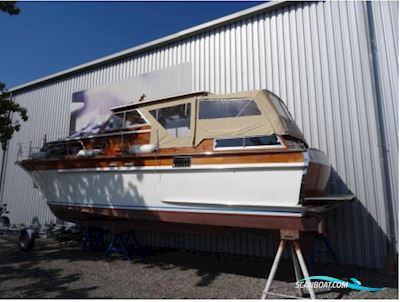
<point>3,164</point>
<point>383,150</point>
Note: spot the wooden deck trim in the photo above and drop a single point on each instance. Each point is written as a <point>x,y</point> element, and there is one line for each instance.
<point>141,161</point>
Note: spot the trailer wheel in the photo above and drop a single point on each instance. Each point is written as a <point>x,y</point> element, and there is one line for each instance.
<point>26,240</point>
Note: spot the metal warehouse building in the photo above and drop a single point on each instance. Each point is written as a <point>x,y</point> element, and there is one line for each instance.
<point>335,64</point>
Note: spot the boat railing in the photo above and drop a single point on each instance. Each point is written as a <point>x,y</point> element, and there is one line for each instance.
<point>61,144</point>
<point>27,149</point>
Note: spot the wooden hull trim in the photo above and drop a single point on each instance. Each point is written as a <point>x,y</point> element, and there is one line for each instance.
<point>115,216</point>
<point>137,161</point>
<point>281,166</point>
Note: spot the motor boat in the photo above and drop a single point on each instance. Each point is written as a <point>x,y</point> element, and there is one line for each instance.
<point>235,160</point>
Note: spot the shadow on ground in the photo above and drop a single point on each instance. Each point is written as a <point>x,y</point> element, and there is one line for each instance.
<point>53,272</point>
<point>210,266</point>
<point>28,278</point>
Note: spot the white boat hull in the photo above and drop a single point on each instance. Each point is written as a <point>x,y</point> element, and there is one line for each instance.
<point>259,188</point>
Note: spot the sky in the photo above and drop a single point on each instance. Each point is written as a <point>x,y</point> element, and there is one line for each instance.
<point>48,37</point>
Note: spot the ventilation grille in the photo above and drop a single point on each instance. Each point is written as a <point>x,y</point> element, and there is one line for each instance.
<point>182,161</point>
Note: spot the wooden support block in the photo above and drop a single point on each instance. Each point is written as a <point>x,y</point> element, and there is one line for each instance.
<point>290,235</point>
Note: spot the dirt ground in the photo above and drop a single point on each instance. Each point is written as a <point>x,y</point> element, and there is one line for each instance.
<point>53,272</point>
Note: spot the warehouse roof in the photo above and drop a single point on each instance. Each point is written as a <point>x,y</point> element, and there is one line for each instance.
<point>155,43</point>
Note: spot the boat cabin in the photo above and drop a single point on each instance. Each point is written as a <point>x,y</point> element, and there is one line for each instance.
<point>196,122</point>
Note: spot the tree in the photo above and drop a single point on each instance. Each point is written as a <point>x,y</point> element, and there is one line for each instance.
<point>7,105</point>
<point>7,108</point>
<point>9,7</point>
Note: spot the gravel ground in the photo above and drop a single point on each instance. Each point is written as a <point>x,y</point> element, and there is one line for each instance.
<point>53,272</point>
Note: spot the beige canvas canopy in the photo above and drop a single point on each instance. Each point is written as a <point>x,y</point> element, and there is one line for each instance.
<point>269,117</point>
<point>163,137</point>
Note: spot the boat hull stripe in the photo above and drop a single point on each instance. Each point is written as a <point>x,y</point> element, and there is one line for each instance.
<point>287,211</point>
<point>136,219</point>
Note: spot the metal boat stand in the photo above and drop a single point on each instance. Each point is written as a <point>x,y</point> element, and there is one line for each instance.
<point>289,238</point>
<point>94,240</point>
<point>312,220</point>
<point>120,244</point>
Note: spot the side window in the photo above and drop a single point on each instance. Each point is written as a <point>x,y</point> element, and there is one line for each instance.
<point>115,122</point>
<point>174,119</point>
<point>223,108</point>
<point>270,140</point>
<point>133,118</point>
<point>281,107</point>
<point>248,142</point>
<point>229,143</point>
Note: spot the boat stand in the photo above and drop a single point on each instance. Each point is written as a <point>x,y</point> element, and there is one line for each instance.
<point>289,238</point>
<point>120,244</point>
<point>94,240</point>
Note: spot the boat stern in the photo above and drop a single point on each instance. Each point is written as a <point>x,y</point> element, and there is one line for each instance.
<point>316,176</point>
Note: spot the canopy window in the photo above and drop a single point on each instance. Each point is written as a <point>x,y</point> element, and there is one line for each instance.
<point>124,120</point>
<point>214,108</point>
<point>175,119</point>
<point>115,122</point>
<point>133,118</point>
<point>250,113</point>
<point>186,121</point>
<point>173,122</point>
<point>280,107</point>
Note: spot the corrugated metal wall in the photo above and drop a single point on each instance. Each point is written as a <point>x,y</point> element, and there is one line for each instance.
<point>316,56</point>
<point>386,20</point>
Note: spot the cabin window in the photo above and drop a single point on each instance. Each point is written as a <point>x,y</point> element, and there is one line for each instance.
<point>224,108</point>
<point>115,123</point>
<point>174,119</point>
<point>133,118</point>
<point>229,143</point>
<point>248,142</point>
<point>270,140</point>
